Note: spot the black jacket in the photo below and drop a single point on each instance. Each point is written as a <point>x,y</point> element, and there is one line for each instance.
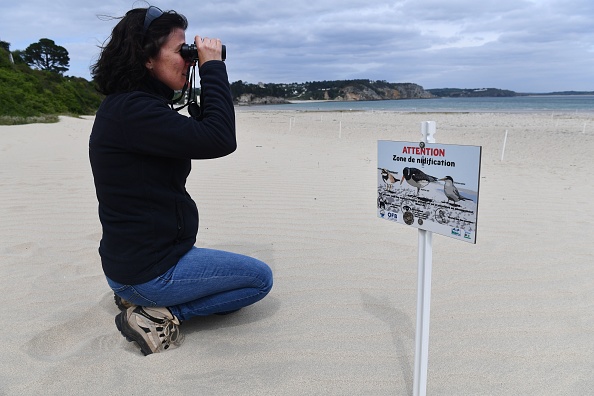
<point>140,151</point>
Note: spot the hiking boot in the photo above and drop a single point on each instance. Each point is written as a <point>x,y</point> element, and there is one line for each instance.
<point>153,329</point>
<point>121,303</point>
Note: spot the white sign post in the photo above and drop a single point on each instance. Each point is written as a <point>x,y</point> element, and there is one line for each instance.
<point>425,266</point>
<point>423,202</point>
<point>423,312</point>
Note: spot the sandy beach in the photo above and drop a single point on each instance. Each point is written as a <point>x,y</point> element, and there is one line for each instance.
<point>510,315</point>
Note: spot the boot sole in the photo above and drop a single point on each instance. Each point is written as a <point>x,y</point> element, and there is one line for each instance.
<point>130,334</point>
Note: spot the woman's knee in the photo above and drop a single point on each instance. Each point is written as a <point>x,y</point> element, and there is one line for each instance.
<point>267,278</point>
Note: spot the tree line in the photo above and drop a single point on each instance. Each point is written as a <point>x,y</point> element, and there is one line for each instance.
<point>33,88</point>
<point>311,90</point>
<point>42,55</point>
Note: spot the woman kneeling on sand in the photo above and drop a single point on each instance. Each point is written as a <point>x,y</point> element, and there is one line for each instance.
<point>140,151</point>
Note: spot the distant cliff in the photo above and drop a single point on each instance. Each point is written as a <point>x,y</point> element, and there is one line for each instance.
<point>470,92</point>
<point>385,91</point>
<point>352,90</point>
<point>342,90</point>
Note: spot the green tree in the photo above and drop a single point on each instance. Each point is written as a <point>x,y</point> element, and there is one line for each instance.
<point>237,89</point>
<point>18,57</point>
<point>46,55</point>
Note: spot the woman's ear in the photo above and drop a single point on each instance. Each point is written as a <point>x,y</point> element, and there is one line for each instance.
<point>149,64</point>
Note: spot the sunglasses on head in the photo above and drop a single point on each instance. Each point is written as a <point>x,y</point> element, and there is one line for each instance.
<point>152,13</point>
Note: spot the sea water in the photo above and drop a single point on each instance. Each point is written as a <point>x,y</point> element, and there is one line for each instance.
<point>536,103</point>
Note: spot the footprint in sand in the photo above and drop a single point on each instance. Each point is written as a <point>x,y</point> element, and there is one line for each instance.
<point>89,330</point>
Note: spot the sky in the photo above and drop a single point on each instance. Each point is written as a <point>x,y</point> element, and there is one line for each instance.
<point>521,45</point>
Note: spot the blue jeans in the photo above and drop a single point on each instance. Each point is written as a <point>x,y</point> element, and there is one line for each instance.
<point>203,282</point>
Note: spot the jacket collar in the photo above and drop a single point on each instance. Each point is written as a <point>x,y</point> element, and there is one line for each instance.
<point>154,86</point>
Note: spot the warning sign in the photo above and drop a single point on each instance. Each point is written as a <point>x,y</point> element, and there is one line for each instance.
<point>434,187</point>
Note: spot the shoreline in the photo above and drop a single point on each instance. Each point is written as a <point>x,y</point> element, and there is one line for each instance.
<point>274,107</point>
<point>519,104</point>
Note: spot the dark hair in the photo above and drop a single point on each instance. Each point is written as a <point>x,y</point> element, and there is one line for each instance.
<point>121,64</point>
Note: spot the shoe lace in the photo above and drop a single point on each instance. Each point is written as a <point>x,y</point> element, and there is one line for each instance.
<point>169,333</point>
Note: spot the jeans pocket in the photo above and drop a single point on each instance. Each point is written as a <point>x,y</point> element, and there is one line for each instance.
<point>137,298</point>
<point>116,287</point>
<point>166,277</point>
<point>130,293</point>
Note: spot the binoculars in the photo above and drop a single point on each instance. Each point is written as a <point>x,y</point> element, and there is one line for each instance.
<point>189,51</point>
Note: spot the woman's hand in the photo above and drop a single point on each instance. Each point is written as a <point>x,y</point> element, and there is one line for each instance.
<point>208,49</point>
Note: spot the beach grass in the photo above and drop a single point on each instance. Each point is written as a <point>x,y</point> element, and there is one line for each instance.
<point>16,120</point>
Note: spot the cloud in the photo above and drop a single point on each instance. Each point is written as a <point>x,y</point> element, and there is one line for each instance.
<point>523,45</point>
